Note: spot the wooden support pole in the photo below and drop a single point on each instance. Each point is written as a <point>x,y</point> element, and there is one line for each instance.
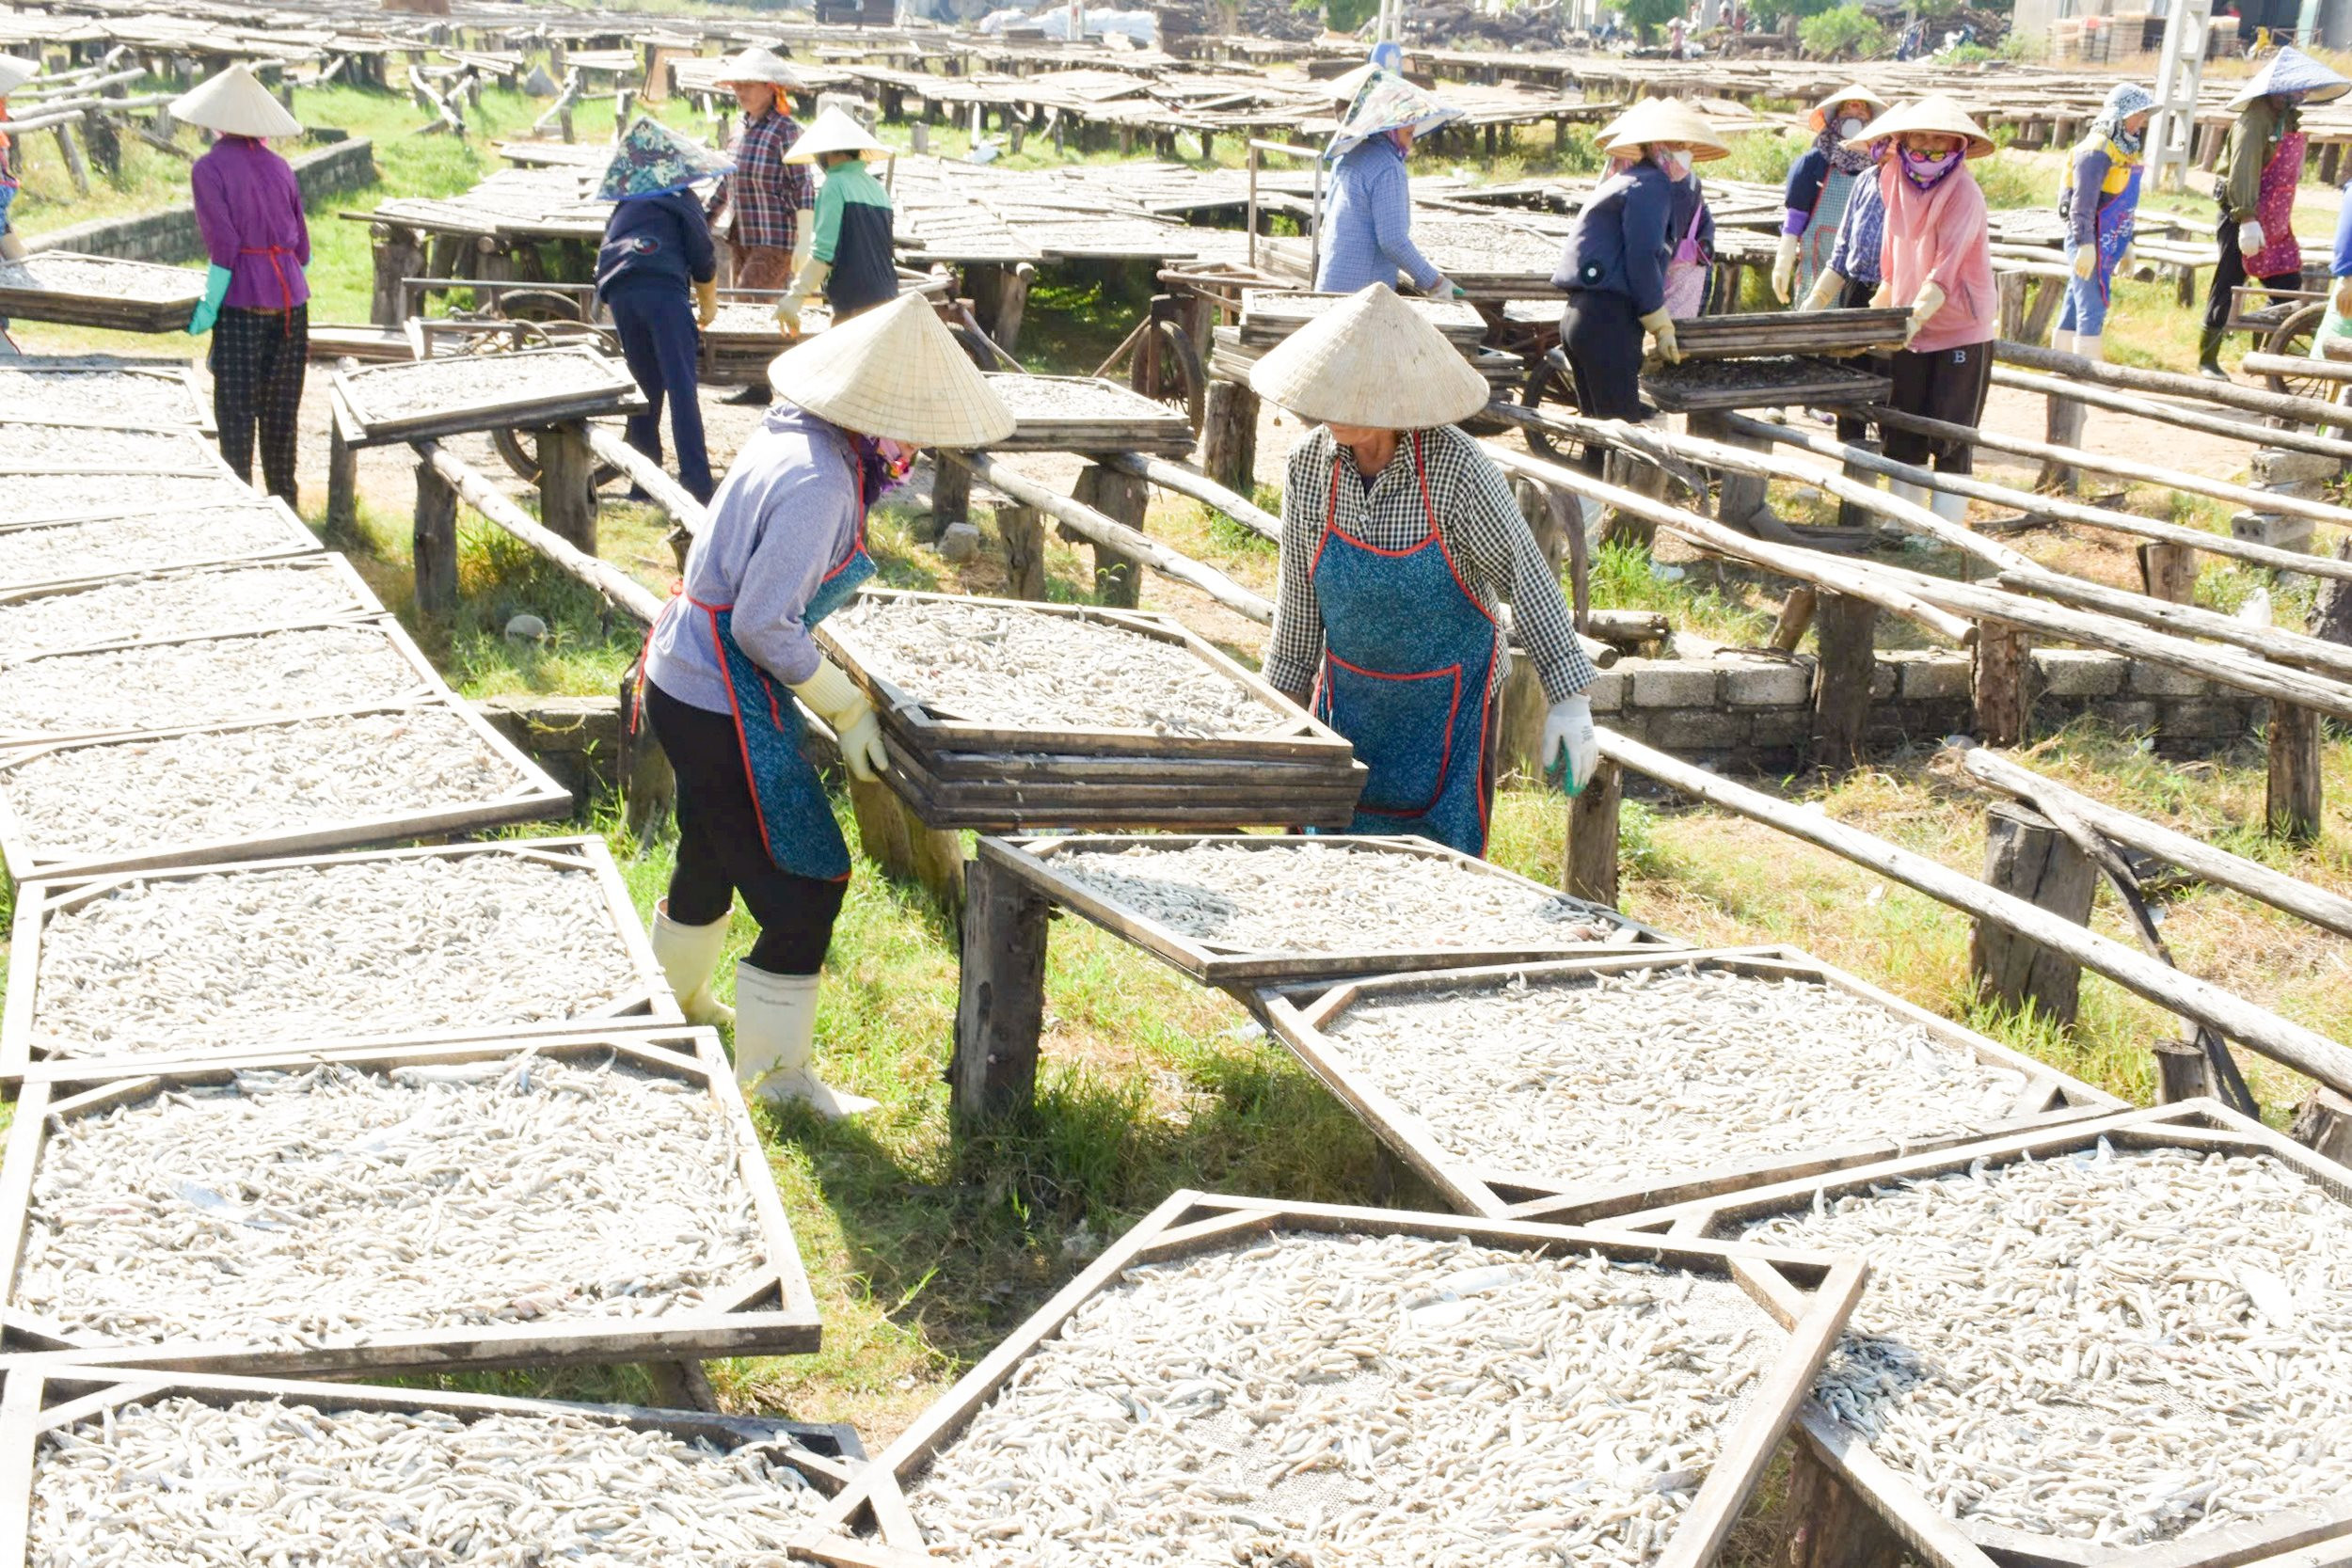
<point>2323,1124</point>
<point>343,486</point>
<point>1590,870</point>
<point>1123,499</point>
<point>1999,666</point>
<point>1012,303</point>
<point>2062,427</point>
<point>2231,1017</point>
<point>1845,630</point>
<point>951,497</point>
<point>1796,618</point>
<point>1197,486</point>
<point>1000,1008</point>
<point>2183,1071</point>
<point>397,254</point>
<point>1228,436</point>
<point>2295,773</point>
<point>1834,1527</point>
<point>895,839</point>
<point>1740,494</point>
<point>2025,857</point>
<point>1023,529</point>
<point>625,592</point>
<point>2168,571</point>
<point>567,493</point>
<point>71,150</point>
<point>434,543</point>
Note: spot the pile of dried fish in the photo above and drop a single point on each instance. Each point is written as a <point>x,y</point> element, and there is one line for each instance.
<point>177,1479</point>
<point>190,603</point>
<point>2115,1346</point>
<point>1001,665</point>
<point>93,447</point>
<point>160,685</point>
<point>1313,1398</point>
<point>1297,896</point>
<point>212,785</point>
<point>246,960</point>
<point>118,397</point>
<point>292,1208</point>
<point>108,547</point>
<point>392,393</point>
<point>1620,1079</point>
<point>37,497</point>
<point>103,278</point>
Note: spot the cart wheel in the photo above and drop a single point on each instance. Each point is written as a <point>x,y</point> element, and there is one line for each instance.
<point>1166,367</point>
<point>520,448</point>
<point>2293,340</point>
<point>539,305</point>
<point>1548,378</point>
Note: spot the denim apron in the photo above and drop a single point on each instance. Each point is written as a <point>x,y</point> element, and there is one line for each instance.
<point>1820,229</point>
<point>1408,652</point>
<point>796,822</point>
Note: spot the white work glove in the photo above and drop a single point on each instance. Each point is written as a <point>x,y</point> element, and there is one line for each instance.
<point>1443,287</point>
<point>1661,326</point>
<point>2085,261</point>
<point>835,699</point>
<point>1785,267</point>
<point>1923,310</point>
<point>11,247</point>
<point>810,278</point>
<point>1826,289</point>
<point>2251,238</point>
<point>1570,748</point>
<point>2341,297</point>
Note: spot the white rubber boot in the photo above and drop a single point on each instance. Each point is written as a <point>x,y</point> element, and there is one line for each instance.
<point>1951,508</point>
<point>1903,490</point>
<point>688,956</point>
<point>2061,343</point>
<point>2090,347</point>
<point>775,1042</point>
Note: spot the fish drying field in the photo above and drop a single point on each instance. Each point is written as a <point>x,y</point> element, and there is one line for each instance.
<point>160,685</point>
<point>1310,1398</point>
<point>1297,896</point>
<point>269,1481</point>
<point>93,447</point>
<point>296,1207</point>
<point>106,546</point>
<point>393,392</point>
<point>102,278</point>
<point>248,961</point>
<point>35,497</point>
<point>1623,1078</point>
<point>189,604</point>
<point>2117,1346</point>
<point>130,398</point>
<point>999,665</point>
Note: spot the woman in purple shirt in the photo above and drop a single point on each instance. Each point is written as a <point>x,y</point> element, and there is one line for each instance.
<point>256,298</point>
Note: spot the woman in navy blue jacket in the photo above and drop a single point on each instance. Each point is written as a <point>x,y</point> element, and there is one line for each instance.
<point>1614,267</point>
<point>656,247</point>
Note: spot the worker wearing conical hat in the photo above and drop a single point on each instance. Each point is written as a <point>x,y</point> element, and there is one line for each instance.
<point>784,545</point>
<point>1820,184</point>
<point>1936,260</point>
<point>256,295</point>
<point>1367,232</point>
<point>852,257</point>
<point>1401,542</point>
<point>761,208</point>
<point>2262,162</point>
<point>14,73</point>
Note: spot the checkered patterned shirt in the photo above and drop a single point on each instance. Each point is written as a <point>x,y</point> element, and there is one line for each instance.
<point>1478,521</point>
<point>766,194</point>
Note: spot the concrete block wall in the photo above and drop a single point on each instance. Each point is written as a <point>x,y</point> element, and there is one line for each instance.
<point>171,235</point>
<point>1749,709</point>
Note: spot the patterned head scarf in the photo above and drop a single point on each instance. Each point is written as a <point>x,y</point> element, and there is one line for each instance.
<point>1385,103</point>
<point>653,160</point>
<point>1832,142</point>
<point>2124,99</point>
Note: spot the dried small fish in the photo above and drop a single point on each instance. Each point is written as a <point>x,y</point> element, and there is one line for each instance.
<point>185,604</point>
<point>103,278</point>
<point>162,685</point>
<point>37,497</point>
<point>292,1208</point>
<point>1295,896</point>
<point>1657,1072</point>
<point>1311,1398</point>
<point>117,397</point>
<point>218,785</point>
<point>245,960</point>
<point>401,391</point>
<point>70,446</point>
<point>2116,1346</point>
<point>107,546</point>
<point>174,1481</point>
<point>1031,669</point>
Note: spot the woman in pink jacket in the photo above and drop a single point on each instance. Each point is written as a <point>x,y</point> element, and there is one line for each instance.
<point>1936,260</point>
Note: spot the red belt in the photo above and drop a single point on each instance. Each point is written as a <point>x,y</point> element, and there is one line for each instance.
<point>285,289</point>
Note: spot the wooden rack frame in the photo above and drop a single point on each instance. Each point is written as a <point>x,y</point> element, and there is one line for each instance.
<point>1302,1021</point>
<point>427,683</point>
<point>67,307</point>
<point>1912,1525</point>
<point>1152,427</point>
<point>768,1312</point>
<point>294,539</point>
<point>533,795</point>
<point>361,601</point>
<point>1038,861</point>
<point>1810,1297</point>
<point>618,394</point>
<point>209,490</point>
<point>177,381</point>
<point>196,455</point>
<point>37,1401</point>
<point>646,1001</point>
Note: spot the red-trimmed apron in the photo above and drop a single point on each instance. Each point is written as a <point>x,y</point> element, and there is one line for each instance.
<point>2274,208</point>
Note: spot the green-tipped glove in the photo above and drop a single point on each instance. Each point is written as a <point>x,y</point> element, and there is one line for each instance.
<point>208,309</point>
<point>1570,747</point>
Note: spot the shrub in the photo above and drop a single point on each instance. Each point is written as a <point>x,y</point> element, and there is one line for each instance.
<point>1841,33</point>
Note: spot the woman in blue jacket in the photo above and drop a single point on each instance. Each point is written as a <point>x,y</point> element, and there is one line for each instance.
<point>1614,267</point>
<point>657,249</point>
<point>1820,184</point>
<point>1367,235</point>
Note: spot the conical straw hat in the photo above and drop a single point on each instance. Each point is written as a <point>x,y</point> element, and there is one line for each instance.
<point>894,371</point>
<point>1662,120</point>
<point>1853,92</point>
<point>1934,114</point>
<point>756,65</point>
<point>15,72</point>
<point>2291,71</point>
<point>235,103</point>
<point>834,131</point>
<point>1373,361</point>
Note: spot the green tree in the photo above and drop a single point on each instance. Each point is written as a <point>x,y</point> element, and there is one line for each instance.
<point>1642,15</point>
<point>1839,34</point>
<point>1770,14</point>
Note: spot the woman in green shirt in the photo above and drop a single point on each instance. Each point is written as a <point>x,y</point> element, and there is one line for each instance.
<point>850,258</point>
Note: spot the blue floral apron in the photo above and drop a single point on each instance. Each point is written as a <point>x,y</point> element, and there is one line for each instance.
<point>1408,653</point>
<point>2112,233</point>
<point>796,822</point>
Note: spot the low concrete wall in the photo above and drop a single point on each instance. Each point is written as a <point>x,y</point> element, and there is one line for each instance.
<point>171,235</point>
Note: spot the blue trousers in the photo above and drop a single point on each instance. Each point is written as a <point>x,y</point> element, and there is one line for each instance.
<point>655,324</point>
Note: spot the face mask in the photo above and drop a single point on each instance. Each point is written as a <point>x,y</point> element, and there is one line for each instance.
<point>1676,164</point>
<point>1927,165</point>
<point>1849,128</point>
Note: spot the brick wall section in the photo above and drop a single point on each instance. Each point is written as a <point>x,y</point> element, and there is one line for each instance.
<point>1752,711</point>
<point>171,235</point>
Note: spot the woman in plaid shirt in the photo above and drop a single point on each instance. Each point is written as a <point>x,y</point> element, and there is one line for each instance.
<point>758,208</point>
<point>1400,543</point>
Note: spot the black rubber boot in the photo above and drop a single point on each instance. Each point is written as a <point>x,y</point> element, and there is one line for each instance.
<point>2209,356</point>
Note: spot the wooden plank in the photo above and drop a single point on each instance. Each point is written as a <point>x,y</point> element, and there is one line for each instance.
<point>1000,1009</point>
<point>2026,858</point>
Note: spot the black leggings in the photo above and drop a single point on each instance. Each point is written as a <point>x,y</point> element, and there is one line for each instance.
<point>2230,272</point>
<point>1603,339</point>
<point>1950,385</point>
<point>720,850</point>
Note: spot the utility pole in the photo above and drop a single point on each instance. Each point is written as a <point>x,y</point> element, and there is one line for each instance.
<point>2172,132</point>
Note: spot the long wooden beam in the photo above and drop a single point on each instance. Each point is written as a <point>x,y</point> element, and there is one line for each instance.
<point>2270,642</point>
<point>2230,1015</point>
<point>2330,911</point>
<point>2254,400</point>
<point>648,475</point>
<point>1193,484</point>
<point>2230,427</point>
<point>624,591</point>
